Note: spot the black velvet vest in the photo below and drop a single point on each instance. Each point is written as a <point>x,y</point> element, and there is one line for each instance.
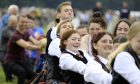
<point>54,71</point>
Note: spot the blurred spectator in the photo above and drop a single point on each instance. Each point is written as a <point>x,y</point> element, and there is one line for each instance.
<point>37,33</point>
<point>82,30</point>
<point>5,36</point>
<point>12,10</point>
<point>124,11</point>
<point>16,60</point>
<point>98,8</point>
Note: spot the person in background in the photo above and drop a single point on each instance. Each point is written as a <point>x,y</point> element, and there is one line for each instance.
<point>15,59</point>
<point>37,33</point>
<point>96,25</point>
<point>5,36</point>
<point>122,27</point>
<point>124,11</point>
<point>12,10</point>
<point>83,30</point>
<point>98,8</point>
<point>118,40</point>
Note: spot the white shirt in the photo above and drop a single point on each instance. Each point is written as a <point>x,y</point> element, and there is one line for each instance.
<point>125,65</point>
<point>95,74</point>
<point>68,62</point>
<point>54,33</point>
<point>92,71</point>
<point>103,60</point>
<point>54,49</point>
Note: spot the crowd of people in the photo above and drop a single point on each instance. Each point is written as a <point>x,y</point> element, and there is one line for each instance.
<point>76,52</point>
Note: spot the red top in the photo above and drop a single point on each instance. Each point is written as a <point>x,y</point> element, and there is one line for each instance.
<point>14,51</point>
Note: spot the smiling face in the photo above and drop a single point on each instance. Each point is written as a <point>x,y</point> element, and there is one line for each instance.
<point>22,23</point>
<point>104,46</point>
<point>122,29</point>
<point>73,42</point>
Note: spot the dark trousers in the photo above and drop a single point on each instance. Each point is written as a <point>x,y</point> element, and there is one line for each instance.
<point>23,70</point>
<point>8,75</point>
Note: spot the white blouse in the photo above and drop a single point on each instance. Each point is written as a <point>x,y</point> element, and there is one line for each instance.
<point>68,62</point>
<point>92,71</point>
<point>125,65</point>
<point>54,33</point>
<point>54,49</point>
<point>103,60</point>
<point>95,74</point>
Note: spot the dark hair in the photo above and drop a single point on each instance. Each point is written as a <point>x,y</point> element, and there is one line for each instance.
<point>121,20</point>
<point>82,26</point>
<point>24,16</point>
<point>120,39</point>
<point>57,20</point>
<point>95,39</point>
<point>65,36</point>
<point>98,18</point>
<point>30,17</point>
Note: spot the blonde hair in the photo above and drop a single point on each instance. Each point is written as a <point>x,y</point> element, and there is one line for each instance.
<point>112,56</point>
<point>134,29</point>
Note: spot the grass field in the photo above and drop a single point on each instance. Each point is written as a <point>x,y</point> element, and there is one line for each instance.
<point>2,78</point>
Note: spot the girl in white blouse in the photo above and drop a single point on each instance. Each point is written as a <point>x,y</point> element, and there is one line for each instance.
<point>102,46</point>
<point>125,60</point>
<point>54,71</point>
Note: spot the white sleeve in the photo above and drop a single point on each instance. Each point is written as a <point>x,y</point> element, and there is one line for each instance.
<point>125,65</point>
<point>95,74</point>
<point>67,62</point>
<point>54,49</point>
<point>87,56</point>
<point>54,33</point>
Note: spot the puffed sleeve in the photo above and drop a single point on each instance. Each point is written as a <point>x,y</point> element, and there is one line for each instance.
<point>125,65</point>
<point>67,62</point>
<point>54,49</point>
<point>95,74</point>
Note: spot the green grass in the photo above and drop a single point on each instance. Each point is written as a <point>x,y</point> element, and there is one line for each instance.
<point>2,78</point>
